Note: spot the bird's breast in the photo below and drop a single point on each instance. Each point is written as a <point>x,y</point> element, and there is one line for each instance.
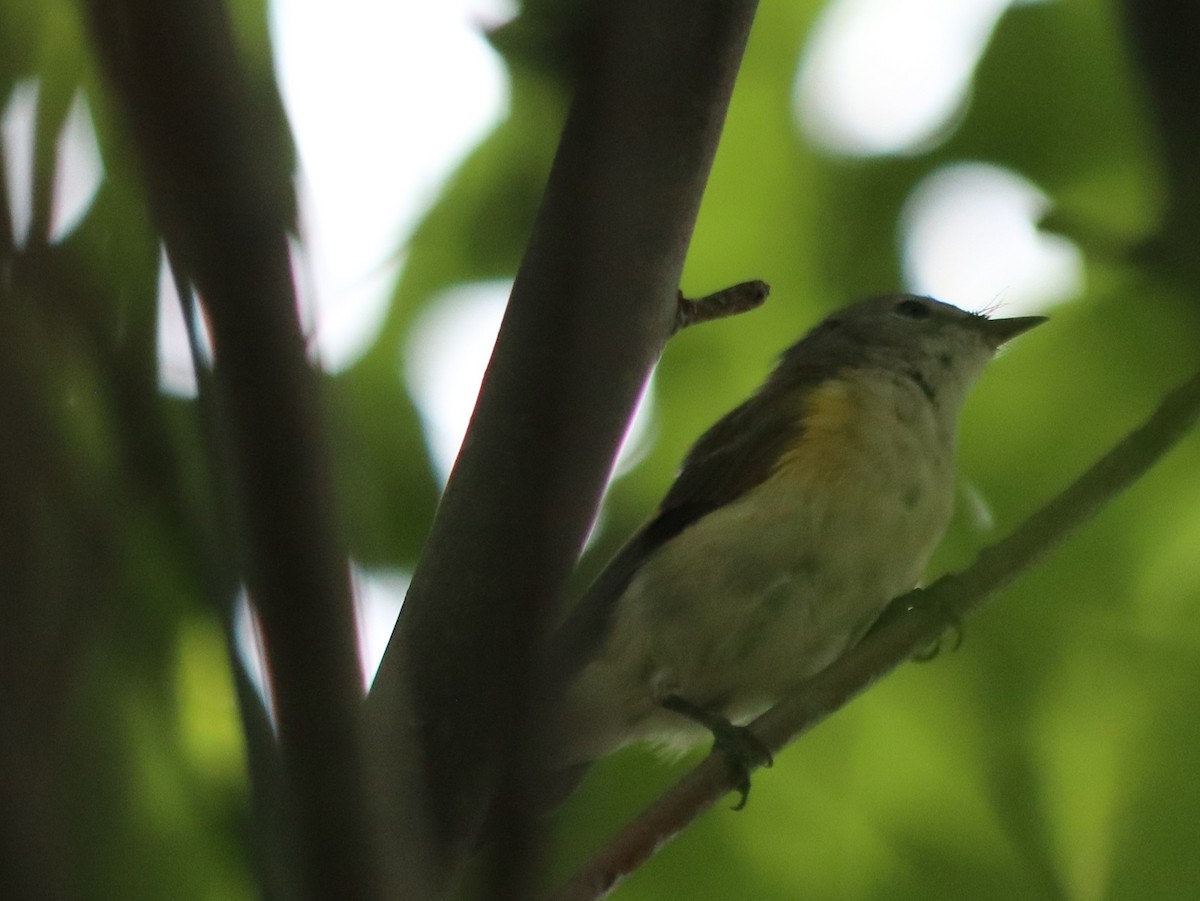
<point>774,586</point>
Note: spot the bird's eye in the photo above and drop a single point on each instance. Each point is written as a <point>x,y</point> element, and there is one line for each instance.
<point>913,309</point>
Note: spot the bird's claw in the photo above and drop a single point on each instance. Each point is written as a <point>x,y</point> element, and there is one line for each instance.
<point>955,627</point>
<point>744,753</point>
<point>743,750</point>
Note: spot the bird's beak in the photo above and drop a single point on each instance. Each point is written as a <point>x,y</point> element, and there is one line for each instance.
<point>1001,331</point>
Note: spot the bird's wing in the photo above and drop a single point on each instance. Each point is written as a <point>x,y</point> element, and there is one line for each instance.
<point>739,452</point>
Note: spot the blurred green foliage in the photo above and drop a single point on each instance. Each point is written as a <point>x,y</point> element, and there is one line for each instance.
<point>1052,756</point>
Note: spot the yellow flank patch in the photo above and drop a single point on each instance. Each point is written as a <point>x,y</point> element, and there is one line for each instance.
<point>829,423</point>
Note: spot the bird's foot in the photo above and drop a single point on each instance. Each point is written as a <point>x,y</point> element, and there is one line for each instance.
<point>743,749</point>
<point>953,627</point>
<point>910,603</point>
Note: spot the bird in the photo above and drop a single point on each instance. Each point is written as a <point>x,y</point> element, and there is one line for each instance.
<point>790,526</point>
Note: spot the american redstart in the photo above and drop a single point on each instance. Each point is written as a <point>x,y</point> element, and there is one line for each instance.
<point>790,526</point>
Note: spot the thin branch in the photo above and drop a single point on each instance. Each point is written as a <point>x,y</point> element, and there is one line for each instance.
<point>217,166</point>
<point>222,571</point>
<point>911,623</point>
<point>728,302</point>
<point>593,302</point>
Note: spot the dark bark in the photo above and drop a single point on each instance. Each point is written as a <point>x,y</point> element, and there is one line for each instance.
<point>217,170</point>
<point>594,300</point>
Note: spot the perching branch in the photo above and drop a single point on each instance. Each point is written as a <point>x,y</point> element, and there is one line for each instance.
<point>911,623</point>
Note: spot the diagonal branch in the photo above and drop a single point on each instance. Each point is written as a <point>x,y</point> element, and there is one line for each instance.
<point>592,304</point>
<point>911,623</point>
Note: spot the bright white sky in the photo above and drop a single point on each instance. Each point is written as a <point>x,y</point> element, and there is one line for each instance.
<point>385,98</point>
<point>882,77</point>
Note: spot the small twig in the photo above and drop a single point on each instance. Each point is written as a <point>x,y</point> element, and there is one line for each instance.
<point>911,622</point>
<point>728,302</point>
